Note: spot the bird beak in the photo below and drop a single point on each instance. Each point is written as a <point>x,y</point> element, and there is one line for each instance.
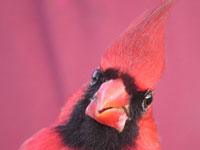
<point>109,106</point>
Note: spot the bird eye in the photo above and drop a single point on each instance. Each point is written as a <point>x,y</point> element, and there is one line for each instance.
<point>96,77</point>
<point>148,98</point>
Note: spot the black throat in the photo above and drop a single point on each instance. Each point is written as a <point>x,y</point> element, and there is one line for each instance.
<point>84,133</point>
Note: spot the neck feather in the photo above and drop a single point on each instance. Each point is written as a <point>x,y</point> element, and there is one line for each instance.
<point>148,136</point>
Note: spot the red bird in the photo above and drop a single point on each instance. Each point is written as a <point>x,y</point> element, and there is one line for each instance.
<point>114,111</point>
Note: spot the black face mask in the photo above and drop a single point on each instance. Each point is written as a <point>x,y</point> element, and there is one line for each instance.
<point>82,132</point>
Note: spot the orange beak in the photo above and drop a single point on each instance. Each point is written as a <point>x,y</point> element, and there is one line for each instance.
<point>110,105</point>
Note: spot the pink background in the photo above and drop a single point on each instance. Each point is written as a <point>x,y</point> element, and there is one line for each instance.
<point>49,48</point>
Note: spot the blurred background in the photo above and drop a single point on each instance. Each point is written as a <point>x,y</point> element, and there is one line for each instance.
<point>48,49</point>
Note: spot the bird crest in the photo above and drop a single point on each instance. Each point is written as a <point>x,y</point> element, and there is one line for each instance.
<point>140,50</point>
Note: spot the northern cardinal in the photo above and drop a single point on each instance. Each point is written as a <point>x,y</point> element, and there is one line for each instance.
<point>114,111</point>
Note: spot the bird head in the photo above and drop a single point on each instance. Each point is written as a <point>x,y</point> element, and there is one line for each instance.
<point>129,71</point>
<point>121,88</point>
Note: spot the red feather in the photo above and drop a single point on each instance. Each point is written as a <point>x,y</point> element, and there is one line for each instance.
<point>140,49</point>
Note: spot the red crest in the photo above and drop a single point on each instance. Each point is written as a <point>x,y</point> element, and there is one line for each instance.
<point>139,51</point>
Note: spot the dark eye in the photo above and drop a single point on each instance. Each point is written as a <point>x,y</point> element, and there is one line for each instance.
<point>97,77</point>
<point>148,98</point>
